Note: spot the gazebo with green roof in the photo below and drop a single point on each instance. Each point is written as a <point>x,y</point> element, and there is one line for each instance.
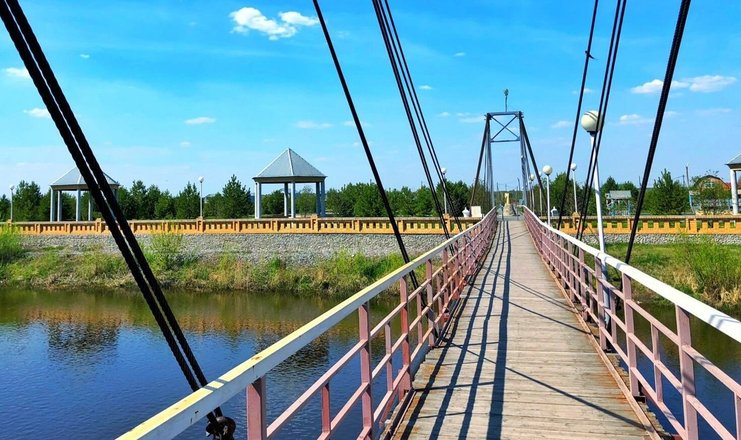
<point>291,168</point>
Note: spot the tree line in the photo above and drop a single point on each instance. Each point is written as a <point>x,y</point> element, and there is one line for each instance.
<point>667,196</point>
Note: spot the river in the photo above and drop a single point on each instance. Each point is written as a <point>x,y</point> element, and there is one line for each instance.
<point>93,365</point>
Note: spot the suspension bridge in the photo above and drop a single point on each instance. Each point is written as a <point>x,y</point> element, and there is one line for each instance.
<point>509,329</point>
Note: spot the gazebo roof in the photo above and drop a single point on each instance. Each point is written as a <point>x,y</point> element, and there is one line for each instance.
<point>289,167</point>
<point>735,163</point>
<point>72,180</point>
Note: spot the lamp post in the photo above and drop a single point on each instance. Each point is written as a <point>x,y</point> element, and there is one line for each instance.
<point>12,188</point>
<point>592,123</point>
<point>547,170</point>
<point>200,180</point>
<point>573,169</point>
<point>445,193</point>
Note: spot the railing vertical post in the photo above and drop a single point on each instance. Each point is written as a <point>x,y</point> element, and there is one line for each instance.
<point>629,333</point>
<point>687,373</point>
<point>446,271</point>
<point>430,321</point>
<point>257,424</point>
<point>406,382</point>
<point>326,414</point>
<point>366,369</point>
<point>656,358</point>
<point>600,303</point>
<point>583,291</point>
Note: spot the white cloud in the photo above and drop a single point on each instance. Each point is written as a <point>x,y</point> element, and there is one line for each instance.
<point>313,125</point>
<point>296,18</point>
<point>587,91</point>
<point>655,86</point>
<point>17,72</point>
<point>185,144</point>
<point>670,113</point>
<point>200,120</point>
<point>699,84</point>
<point>38,113</point>
<point>472,119</point>
<point>562,124</point>
<point>85,56</point>
<point>710,83</point>
<point>633,119</point>
<point>246,19</point>
<point>352,124</point>
<point>459,54</point>
<point>425,87</point>
<point>444,114</point>
<point>714,111</point>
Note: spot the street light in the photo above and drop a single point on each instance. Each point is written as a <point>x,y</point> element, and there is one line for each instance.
<point>547,170</point>
<point>445,194</point>
<point>12,188</point>
<point>200,179</point>
<point>592,123</point>
<point>573,169</point>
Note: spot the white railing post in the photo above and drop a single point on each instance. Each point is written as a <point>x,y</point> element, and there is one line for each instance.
<point>257,424</point>
<point>629,334</point>
<point>366,369</point>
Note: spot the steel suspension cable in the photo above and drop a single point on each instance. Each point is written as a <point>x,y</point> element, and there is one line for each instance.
<point>587,57</point>
<point>51,93</point>
<point>401,57</point>
<point>668,77</point>
<point>617,26</point>
<point>410,119</point>
<point>364,141</point>
<point>481,157</point>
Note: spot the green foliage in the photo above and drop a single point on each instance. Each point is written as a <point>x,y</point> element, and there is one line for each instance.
<point>235,200</point>
<point>187,202</point>
<point>306,201</point>
<point>166,251</point>
<point>4,208</point>
<point>27,202</point>
<point>710,195</point>
<point>667,197</point>
<point>10,244</point>
<point>272,204</point>
<point>715,268</point>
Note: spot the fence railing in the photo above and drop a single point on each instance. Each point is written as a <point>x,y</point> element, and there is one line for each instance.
<point>655,224</point>
<point>448,268</point>
<point>588,288</point>
<point>307,225</point>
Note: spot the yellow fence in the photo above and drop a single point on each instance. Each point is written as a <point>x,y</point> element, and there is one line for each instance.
<point>309,225</point>
<point>716,224</point>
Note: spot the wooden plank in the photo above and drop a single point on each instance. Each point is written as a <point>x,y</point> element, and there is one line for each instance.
<point>516,363</point>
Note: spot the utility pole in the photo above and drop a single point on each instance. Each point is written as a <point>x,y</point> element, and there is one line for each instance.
<point>506,94</point>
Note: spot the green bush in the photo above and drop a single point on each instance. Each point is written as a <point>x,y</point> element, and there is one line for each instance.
<point>714,267</point>
<point>165,252</point>
<point>10,244</point>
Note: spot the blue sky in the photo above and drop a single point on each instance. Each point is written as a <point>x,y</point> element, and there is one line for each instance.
<point>167,91</point>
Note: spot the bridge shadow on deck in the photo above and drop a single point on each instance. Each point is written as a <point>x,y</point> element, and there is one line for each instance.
<point>429,416</point>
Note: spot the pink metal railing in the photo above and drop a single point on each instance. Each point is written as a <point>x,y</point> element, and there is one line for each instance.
<point>565,256</point>
<point>447,270</point>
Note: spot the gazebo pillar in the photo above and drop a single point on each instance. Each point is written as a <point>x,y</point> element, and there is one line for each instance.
<point>59,206</point>
<point>323,198</point>
<point>734,192</point>
<point>51,204</point>
<point>285,200</point>
<point>89,207</point>
<point>318,193</point>
<point>258,190</point>
<point>293,199</point>
<point>77,206</point>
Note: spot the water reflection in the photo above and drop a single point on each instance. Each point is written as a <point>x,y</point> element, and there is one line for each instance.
<point>97,359</point>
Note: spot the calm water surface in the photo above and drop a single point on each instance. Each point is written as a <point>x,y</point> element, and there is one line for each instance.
<point>81,365</point>
<point>93,365</point>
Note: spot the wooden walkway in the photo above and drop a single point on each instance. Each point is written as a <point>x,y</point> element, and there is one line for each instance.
<point>517,364</point>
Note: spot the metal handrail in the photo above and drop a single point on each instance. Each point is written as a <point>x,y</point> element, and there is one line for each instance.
<point>564,255</point>
<point>459,258</point>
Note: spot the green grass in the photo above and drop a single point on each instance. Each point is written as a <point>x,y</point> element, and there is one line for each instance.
<point>339,276</point>
<point>700,267</point>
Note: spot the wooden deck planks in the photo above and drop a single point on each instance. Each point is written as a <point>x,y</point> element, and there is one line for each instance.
<point>516,363</point>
